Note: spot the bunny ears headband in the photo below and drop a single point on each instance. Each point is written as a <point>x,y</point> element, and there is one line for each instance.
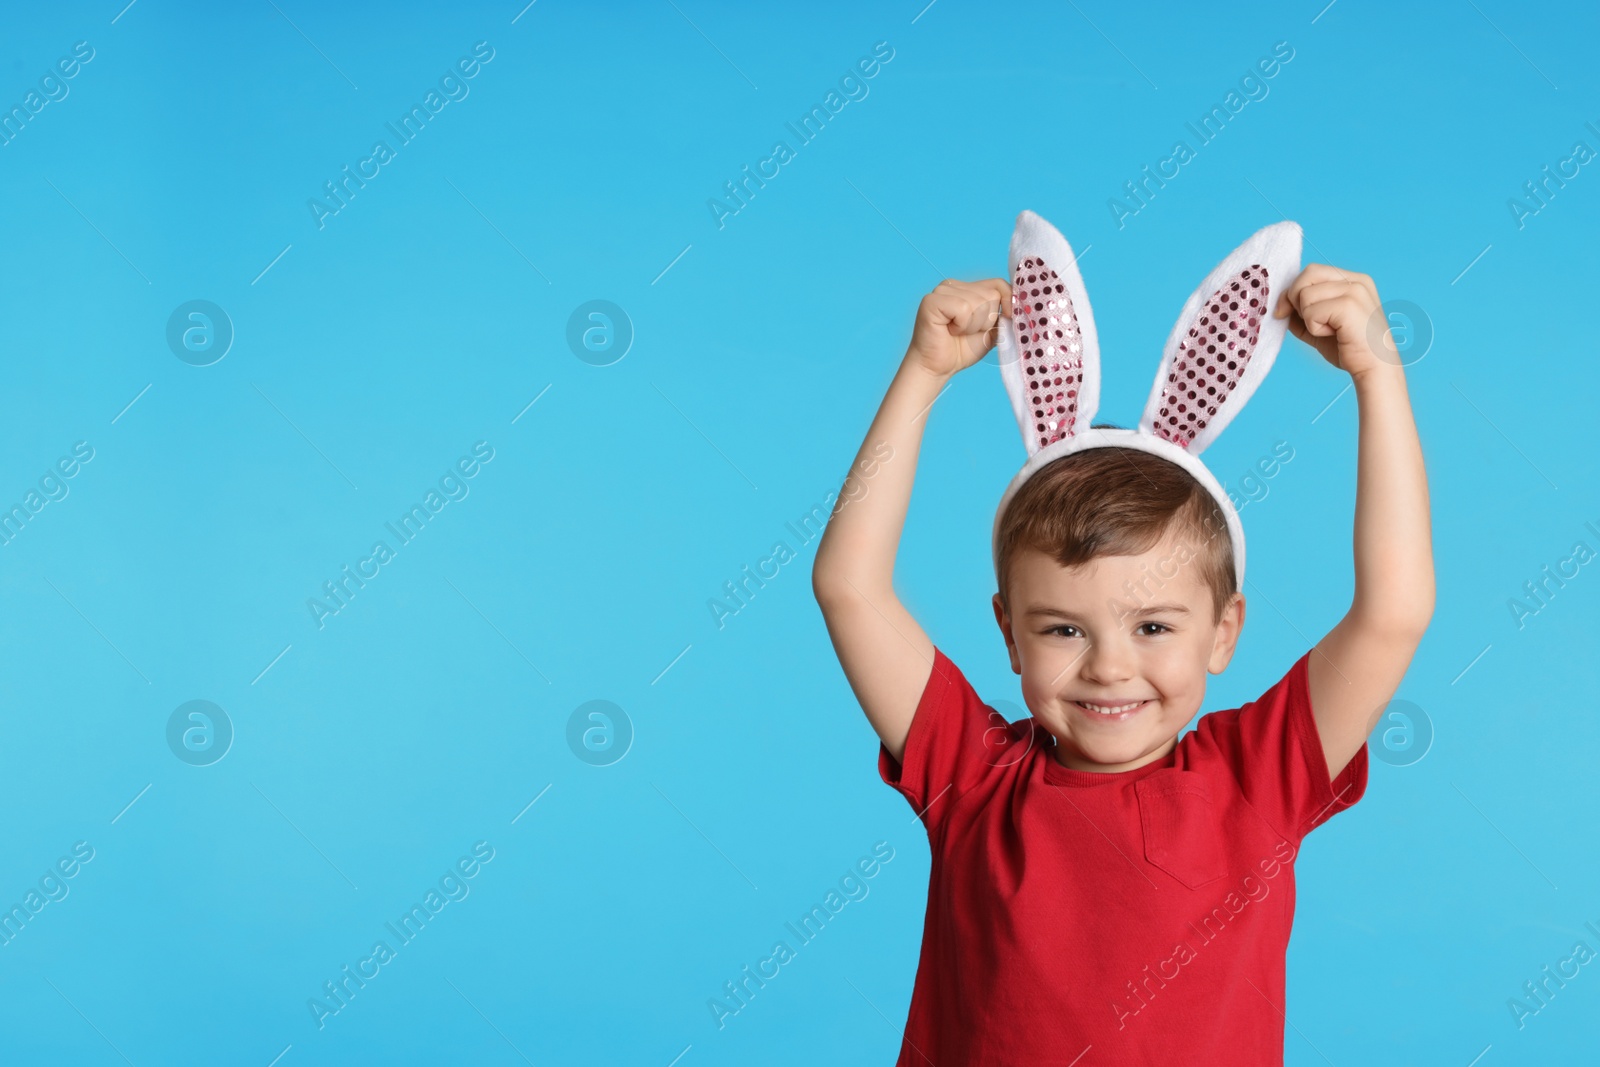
<point>1219,350</point>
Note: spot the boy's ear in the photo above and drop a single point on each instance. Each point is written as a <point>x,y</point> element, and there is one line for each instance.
<point>1227,638</point>
<point>1005,630</point>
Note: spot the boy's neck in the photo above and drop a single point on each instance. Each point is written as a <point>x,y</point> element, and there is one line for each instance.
<point>1078,763</point>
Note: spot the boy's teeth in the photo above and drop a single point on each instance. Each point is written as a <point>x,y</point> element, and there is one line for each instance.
<point>1103,710</point>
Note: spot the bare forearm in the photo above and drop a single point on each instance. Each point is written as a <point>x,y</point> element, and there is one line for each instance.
<point>858,547</point>
<point>1394,584</point>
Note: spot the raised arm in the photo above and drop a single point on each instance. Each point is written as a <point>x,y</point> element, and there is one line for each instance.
<point>1355,670</point>
<point>886,656</point>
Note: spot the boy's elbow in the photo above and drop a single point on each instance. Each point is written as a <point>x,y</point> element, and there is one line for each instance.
<point>1412,630</point>
<point>1403,610</point>
<point>839,589</point>
<point>1403,622</point>
<point>1427,614</point>
<point>825,586</point>
<point>1421,613</point>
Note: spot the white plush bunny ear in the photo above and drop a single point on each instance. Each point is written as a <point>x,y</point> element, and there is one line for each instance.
<point>1224,341</point>
<point>1049,353</point>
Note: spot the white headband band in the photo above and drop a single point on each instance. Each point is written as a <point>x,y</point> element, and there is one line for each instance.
<point>1220,348</point>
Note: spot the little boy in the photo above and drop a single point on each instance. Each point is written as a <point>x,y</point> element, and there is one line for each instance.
<point>1102,892</point>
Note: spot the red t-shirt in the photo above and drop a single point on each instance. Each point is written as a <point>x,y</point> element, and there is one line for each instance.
<point>1096,919</point>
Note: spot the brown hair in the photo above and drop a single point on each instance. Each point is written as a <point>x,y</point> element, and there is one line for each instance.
<point>1116,501</point>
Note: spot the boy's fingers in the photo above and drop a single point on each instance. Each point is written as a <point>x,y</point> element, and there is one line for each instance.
<point>997,290</point>
<point>946,308</point>
<point>1317,290</point>
<point>964,312</point>
<point>1333,289</point>
<point>1002,292</point>
<point>1319,274</point>
<point>1355,277</point>
<point>1321,317</point>
<point>982,311</point>
<point>1353,285</point>
<point>1288,296</point>
<point>1309,275</point>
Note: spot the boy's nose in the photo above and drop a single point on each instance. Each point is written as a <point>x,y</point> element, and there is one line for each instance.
<point>1107,663</point>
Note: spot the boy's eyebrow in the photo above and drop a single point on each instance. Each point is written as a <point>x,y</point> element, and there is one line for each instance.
<point>1149,609</point>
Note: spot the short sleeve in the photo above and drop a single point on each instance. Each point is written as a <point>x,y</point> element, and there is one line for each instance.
<point>1275,752</point>
<point>955,741</point>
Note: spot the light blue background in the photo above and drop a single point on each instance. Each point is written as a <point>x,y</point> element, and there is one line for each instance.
<point>432,309</point>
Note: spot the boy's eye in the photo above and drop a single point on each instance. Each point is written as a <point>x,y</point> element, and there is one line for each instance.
<point>1155,629</point>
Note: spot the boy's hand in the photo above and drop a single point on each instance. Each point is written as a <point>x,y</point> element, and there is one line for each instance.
<point>957,323</point>
<point>1338,313</point>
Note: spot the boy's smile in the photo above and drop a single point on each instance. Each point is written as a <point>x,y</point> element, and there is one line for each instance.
<point>1114,654</point>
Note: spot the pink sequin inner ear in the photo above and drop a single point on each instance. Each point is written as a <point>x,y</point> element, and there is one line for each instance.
<point>1212,358</point>
<point>1052,348</point>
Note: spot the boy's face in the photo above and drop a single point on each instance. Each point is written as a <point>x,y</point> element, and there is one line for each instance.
<point>1117,630</point>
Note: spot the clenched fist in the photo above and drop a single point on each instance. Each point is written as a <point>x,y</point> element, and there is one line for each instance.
<point>1338,313</point>
<point>957,323</point>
